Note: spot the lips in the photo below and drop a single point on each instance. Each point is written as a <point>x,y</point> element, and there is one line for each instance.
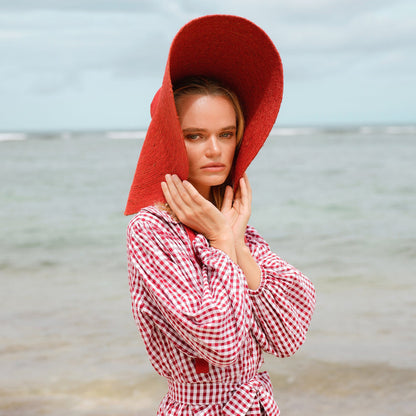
<point>213,167</point>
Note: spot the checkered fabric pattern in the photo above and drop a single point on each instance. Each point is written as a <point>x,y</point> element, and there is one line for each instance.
<point>191,301</point>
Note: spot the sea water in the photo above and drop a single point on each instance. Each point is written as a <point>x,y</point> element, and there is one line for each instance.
<point>338,203</point>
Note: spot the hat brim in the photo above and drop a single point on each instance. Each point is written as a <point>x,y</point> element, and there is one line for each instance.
<point>230,49</point>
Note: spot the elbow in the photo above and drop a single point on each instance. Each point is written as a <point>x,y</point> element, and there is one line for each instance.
<point>296,332</point>
<point>292,346</point>
<point>294,337</point>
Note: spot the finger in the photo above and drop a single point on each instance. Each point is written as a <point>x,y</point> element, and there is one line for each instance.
<point>227,202</point>
<point>250,193</point>
<point>245,199</point>
<point>190,205</point>
<point>197,202</point>
<point>192,192</point>
<point>175,183</point>
<point>178,199</point>
<point>187,191</point>
<point>243,191</point>
<point>169,198</point>
<point>176,189</point>
<point>246,191</point>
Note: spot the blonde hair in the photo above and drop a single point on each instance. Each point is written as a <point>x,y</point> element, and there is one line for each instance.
<point>209,86</point>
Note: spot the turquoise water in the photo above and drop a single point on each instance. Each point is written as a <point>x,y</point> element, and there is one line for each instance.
<point>337,203</point>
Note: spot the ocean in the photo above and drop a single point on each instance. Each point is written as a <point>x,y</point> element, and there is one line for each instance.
<point>337,202</point>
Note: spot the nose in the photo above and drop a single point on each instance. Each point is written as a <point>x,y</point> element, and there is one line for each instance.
<point>213,146</point>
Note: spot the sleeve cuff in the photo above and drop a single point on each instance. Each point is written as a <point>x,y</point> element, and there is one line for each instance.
<point>206,254</point>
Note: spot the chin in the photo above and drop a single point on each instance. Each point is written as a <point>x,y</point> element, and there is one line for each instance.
<point>215,183</point>
<point>208,182</point>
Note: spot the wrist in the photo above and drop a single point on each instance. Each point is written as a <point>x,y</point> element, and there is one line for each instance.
<point>222,236</point>
<point>222,240</point>
<point>225,243</point>
<point>240,245</point>
<point>242,250</point>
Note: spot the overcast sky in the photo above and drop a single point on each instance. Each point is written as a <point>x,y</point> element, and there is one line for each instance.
<point>95,64</point>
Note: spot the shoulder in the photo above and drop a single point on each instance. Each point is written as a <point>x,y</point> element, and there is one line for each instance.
<point>152,225</point>
<point>151,217</point>
<point>153,232</point>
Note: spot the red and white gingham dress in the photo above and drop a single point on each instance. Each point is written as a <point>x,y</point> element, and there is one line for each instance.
<point>203,328</point>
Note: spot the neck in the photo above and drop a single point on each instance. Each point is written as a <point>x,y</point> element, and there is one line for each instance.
<point>205,192</point>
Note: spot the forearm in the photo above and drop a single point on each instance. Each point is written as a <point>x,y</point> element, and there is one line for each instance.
<point>249,266</point>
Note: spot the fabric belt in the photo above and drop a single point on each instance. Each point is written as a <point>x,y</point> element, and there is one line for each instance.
<point>237,399</point>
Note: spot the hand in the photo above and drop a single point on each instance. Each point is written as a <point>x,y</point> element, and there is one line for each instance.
<point>194,211</point>
<point>238,211</point>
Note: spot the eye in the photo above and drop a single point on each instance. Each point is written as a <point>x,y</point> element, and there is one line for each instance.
<point>227,134</point>
<point>193,136</point>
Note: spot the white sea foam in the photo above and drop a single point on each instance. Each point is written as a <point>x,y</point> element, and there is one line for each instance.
<point>5,137</point>
<point>126,134</point>
<point>388,130</point>
<point>294,131</point>
<point>401,130</point>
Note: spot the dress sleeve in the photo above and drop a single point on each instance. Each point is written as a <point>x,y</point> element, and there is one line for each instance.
<point>284,302</point>
<point>199,301</point>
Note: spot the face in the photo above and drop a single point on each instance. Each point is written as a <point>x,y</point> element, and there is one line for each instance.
<point>208,124</point>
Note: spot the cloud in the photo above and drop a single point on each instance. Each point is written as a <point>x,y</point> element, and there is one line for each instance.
<point>131,37</point>
<point>52,47</point>
<point>167,7</point>
<point>332,37</point>
<point>83,5</point>
<point>41,43</point>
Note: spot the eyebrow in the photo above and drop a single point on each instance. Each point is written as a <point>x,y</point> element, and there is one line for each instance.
<point>193,129</point>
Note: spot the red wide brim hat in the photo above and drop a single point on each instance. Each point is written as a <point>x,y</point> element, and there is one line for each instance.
<point>230,49</point>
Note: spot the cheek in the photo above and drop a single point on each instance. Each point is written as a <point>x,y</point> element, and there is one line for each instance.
<point>191,154</point>
<point>231,150</point>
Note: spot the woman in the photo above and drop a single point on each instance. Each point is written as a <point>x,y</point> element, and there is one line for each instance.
<point>208,294</point>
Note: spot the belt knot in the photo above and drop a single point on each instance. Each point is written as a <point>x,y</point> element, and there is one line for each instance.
<point>250,395</point>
